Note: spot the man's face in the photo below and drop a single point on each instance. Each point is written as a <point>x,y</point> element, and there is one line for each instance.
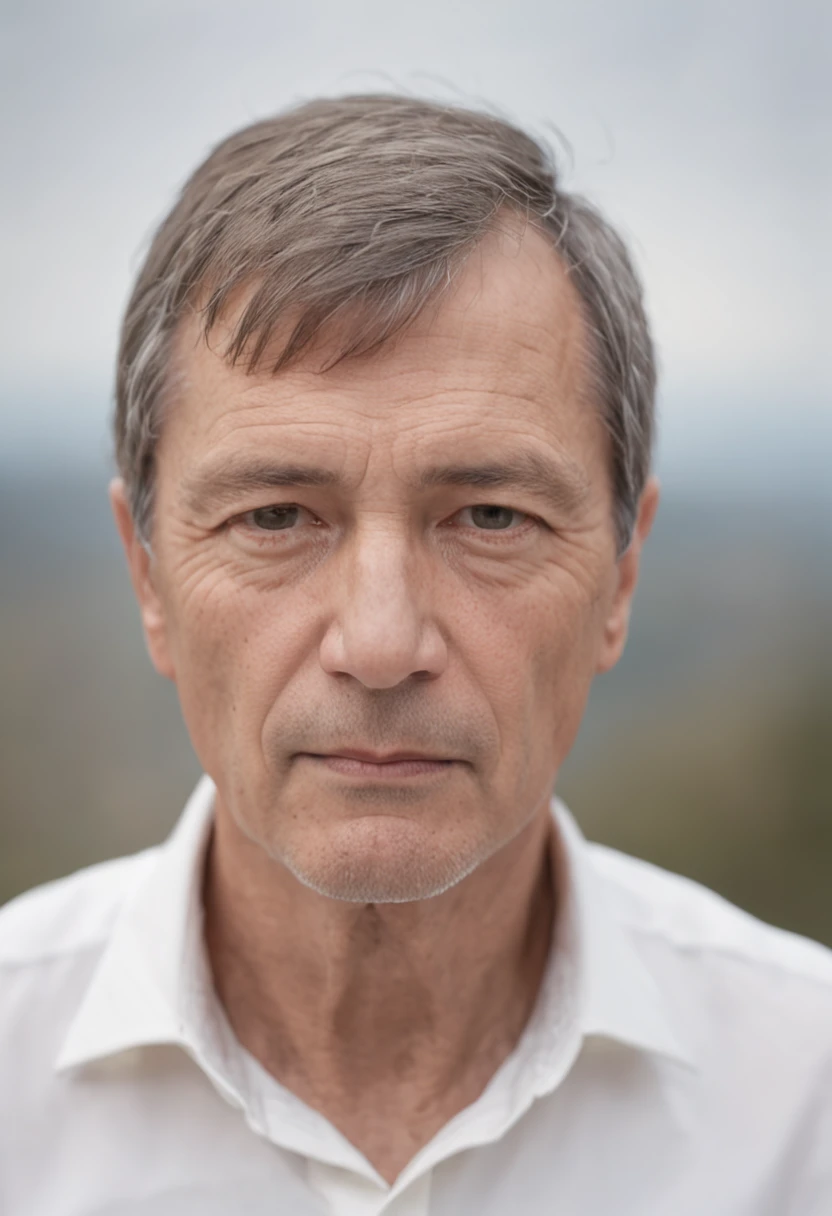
<point>383,590</point>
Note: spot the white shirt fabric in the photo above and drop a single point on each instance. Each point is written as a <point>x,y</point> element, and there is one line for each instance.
<point>678,1063</point>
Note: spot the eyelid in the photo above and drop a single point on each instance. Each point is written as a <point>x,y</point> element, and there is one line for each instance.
<point>524,516</point>
<point>245,518</point>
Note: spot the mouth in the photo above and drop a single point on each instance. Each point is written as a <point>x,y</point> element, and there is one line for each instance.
<point>380,766</point>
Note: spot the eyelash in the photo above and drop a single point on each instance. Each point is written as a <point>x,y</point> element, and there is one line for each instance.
<point>525,518</point>
<point>492,536</point>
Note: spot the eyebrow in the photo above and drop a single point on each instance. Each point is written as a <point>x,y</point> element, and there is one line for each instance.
<point>562,483</point>
<point>214,488</point>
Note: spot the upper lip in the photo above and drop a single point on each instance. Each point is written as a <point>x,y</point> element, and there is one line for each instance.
<point>368,757</point>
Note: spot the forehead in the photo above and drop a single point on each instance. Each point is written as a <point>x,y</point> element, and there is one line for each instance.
<point>503,347</point>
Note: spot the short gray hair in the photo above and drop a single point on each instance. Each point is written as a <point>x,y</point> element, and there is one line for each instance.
<point>359,210</point>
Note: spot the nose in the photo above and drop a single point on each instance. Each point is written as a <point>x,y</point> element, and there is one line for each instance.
<point>383,631</point>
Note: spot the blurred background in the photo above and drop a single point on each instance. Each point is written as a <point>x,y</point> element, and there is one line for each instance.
<point>703,129</point>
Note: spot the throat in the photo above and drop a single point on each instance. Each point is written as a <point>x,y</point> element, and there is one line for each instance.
<point>388,1020</point>
<point>390,1069</point>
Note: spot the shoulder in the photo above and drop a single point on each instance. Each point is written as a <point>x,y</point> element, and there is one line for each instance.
<point>691,920</point>
<point>740,991</point>
<point>51,940</point>
<point>68,917</point>
<point>751,1007</point>
<point>737,991</point>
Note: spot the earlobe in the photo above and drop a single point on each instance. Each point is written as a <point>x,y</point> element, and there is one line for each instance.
<point>617,623</point>
<point>140,566</point>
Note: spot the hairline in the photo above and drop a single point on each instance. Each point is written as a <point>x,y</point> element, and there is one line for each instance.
<point>176,373</point>
<point>201,239</point>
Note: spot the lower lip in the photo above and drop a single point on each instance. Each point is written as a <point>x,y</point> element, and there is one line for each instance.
<point>388,770</point>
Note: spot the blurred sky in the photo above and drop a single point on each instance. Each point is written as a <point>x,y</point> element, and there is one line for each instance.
<point>702,127</point>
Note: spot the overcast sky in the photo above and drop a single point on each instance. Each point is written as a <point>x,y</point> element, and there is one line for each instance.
<point>702,127</point>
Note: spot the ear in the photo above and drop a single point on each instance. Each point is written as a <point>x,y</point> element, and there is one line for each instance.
<point>142,575</point>
<point>627,567</point>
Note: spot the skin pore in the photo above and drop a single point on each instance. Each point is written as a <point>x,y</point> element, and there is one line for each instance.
<point>383,591</point>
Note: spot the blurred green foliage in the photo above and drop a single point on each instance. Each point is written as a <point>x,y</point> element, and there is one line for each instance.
<point>708,751</point>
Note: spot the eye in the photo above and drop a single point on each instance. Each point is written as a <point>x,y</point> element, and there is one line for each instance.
<point>277,518</point>
<point>489,517</point>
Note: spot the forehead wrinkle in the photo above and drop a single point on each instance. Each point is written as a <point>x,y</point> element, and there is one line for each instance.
<point>216,485</point>
<point>517,360</point>
<point>517,348</point>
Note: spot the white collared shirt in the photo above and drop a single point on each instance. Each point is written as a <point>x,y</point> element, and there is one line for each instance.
<point>678,1063</point>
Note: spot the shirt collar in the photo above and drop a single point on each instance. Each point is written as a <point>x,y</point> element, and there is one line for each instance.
<point>618,996</point>
<point>152,984</point>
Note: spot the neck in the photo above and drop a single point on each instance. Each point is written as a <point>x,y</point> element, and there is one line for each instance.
<point>387,1018</point>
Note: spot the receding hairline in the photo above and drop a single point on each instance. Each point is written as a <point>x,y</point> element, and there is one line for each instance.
<point>266,351</point>
<point>217,482</point>
<point>364,205</point>
<point>333,342</point>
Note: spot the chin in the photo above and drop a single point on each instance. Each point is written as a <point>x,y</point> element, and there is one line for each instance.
<point>382,859</point>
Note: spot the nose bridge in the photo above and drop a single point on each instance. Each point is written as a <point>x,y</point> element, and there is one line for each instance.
<point>381,578</point>
<point>384,629</point>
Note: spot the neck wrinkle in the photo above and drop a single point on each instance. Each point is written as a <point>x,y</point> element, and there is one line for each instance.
<point>348,998</point>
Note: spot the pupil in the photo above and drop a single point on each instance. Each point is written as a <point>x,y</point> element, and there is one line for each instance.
<point>494,518</point>
<point>275,518</point>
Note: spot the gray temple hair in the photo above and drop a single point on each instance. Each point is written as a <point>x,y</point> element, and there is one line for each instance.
<point>351,214</point>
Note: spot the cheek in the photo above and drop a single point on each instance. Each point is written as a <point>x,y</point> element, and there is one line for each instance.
<point>234,645</point>
<point>543,659</point>
<point>566,667</point>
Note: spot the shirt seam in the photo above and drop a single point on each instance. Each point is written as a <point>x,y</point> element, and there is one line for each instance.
<point>750,958</point>
<point>53,956</point>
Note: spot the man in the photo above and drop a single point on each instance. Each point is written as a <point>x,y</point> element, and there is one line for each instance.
<point>384,413</point>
